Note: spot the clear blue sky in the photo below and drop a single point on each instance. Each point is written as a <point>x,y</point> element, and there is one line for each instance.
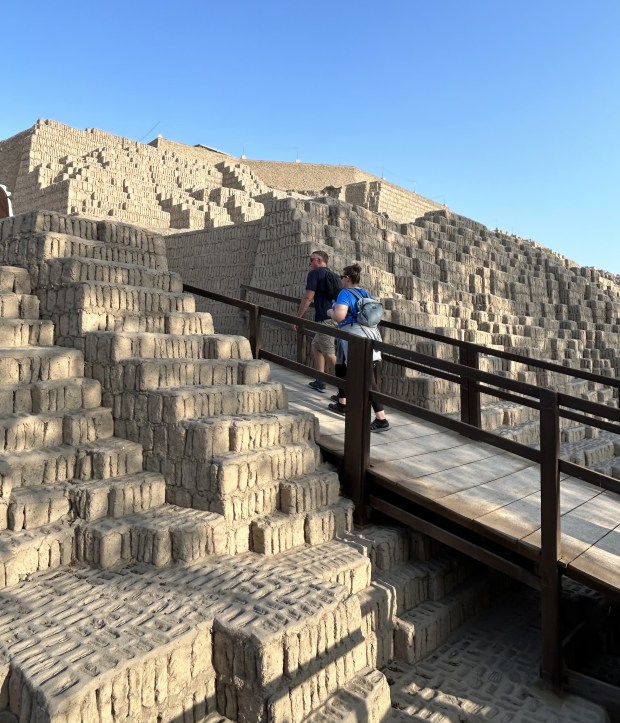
<point>506,111</point>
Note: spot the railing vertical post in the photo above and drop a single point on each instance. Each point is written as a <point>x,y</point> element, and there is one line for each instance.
<point>300,345</point>
<point>357,424</point>
<point>254,329</point>
<point>470,396</point>
<point>551,540</point>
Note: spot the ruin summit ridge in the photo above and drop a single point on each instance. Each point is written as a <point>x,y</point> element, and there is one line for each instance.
<point>169,185</point>
<point>172,546</point>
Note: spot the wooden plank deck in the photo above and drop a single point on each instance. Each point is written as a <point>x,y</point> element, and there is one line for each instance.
<point>479,483</point>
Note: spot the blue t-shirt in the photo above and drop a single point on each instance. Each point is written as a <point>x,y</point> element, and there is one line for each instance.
<point>316,282</point>
<point>347,298</point>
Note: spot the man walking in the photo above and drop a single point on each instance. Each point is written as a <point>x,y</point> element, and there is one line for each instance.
<point>318,290</point>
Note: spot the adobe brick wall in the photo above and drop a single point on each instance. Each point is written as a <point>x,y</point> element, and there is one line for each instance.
<point>11,152</point>
<point>168,185</point>
<point>194,152</point>
<point>306,176</point>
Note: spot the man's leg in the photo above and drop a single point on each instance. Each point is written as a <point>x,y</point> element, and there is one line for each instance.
<point>319,362</point>
<point>319,359</point>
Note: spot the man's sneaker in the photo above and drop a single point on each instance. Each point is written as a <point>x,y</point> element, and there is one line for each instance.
<point>338,408</point>
<point>317,386</point>
<point>379,425</point>
<point>335,398</point>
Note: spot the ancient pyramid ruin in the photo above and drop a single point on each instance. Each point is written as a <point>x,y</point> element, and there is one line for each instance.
<point>173,548</point>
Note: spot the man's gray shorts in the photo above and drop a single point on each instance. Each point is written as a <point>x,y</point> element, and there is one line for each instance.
<point>323,342</point>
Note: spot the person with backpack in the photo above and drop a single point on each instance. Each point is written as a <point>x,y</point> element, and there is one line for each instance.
<point>322,286</point>
<point>357,313</point>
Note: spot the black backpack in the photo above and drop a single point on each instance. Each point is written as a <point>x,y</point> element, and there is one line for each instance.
<point>333,285</point>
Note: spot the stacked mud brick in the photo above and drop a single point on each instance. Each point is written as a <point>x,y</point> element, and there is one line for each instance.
<point>277,249</point>
<point>118,605</point>
<point>347,183</point>
<point>97,174</point>
<point>309,177</point>
<point>187,556</point>
<point>387,199</point>
<point>168,185</point>
<point>443,272</point>
<point>221,261</point>
<point>268,636</point>
<point>447,274</point>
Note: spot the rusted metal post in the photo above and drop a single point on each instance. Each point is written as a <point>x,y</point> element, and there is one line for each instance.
<point>470,396</point>
<point>357,425</point>
<point>551,541</point>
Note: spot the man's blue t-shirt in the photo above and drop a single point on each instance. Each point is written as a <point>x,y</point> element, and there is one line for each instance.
<point>347,298</point>
<point>316,282</point>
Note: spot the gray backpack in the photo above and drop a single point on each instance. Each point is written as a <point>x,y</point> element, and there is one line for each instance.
<point>369,310</point>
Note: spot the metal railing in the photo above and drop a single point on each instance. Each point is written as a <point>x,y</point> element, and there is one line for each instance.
<point>473,382</point>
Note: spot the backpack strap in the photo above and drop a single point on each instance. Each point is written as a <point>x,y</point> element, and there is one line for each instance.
<point>358,296</point>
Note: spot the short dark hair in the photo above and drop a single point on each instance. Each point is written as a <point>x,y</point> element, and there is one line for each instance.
<point>321,255</point>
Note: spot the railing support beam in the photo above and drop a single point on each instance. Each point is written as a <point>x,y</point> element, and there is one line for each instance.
<point>254,330</point>
<point>357,425</point>
<point>551,543</point>
<point>470,396</point>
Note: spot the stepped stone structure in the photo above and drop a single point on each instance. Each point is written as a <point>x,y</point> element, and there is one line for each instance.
<point>172,546</point>
<point>180,552</point>
<point>167,185</point>
<point>443,273</point>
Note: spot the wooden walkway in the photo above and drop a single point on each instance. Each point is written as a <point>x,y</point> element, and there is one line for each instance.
<point>480,484</point>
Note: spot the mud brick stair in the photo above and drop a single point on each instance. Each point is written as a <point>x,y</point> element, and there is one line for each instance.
<point>151,381</point>
<point>73,270</point>
<point>158,379</point>
<point>419,593</point>
<point>204,428</point>
<point>78,308</point>
<point>280,612</point>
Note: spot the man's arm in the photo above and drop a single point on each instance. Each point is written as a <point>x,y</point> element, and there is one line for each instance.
<point>305,302</point>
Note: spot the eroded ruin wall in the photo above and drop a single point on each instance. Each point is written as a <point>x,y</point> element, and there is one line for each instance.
<point>399,204</point>
<point>351,184</point>
<point>100,175</point>
<point>11,152</point>
<point>309,177</point>
<point>444,273</point>
<point>219,260</point>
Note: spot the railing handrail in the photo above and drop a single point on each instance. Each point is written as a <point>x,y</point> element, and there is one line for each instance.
<point>473,382</point>
<point>461,343</point>
<point>272,294</point>
<point>455,372</point>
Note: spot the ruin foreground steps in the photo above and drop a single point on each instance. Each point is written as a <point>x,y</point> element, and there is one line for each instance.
<point>172,546</point>
<point>174,552</point>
